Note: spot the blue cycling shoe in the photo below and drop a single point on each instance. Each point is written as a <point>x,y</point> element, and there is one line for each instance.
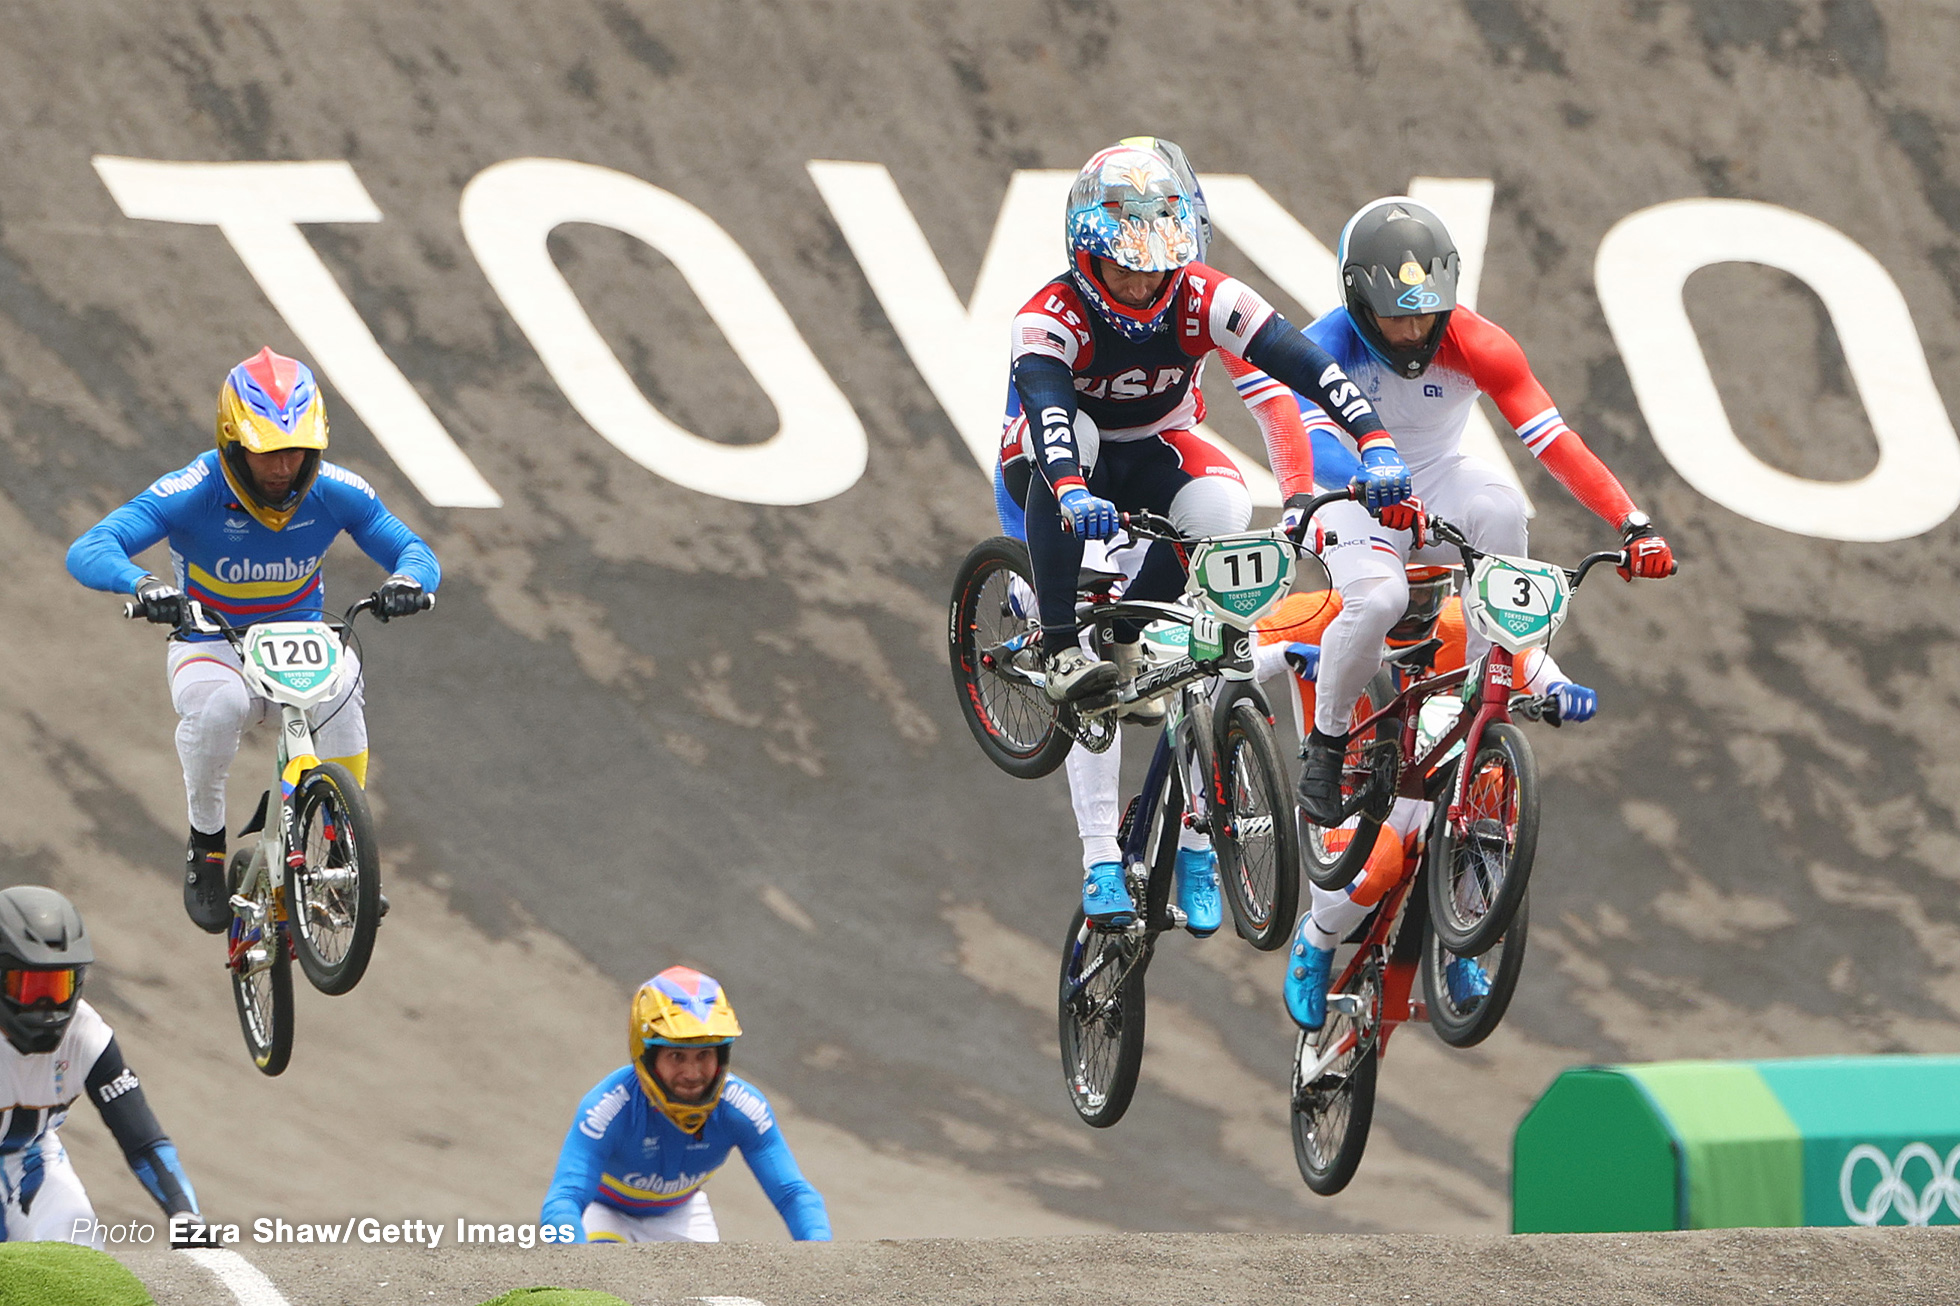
<point>1105,898</point>
<point>1308,971</point>
<point>1466,980</point>
<point>1197,890</point>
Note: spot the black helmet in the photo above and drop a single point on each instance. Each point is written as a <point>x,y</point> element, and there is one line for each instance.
<point>1173,156</point>
<point>1397,260</point>
<point>40,931</point>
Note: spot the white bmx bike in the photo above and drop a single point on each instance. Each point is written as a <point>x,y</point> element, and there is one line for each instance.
<point>310,886</point>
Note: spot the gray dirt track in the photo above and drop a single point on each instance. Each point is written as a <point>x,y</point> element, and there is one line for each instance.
<point>1815,1267</point>
<point>647,725</point>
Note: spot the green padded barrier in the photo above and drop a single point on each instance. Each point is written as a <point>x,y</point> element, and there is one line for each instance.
<point>1594,1155</point>
<point>1741,1154</point>
<point>1881,1137</point>
<point>1721,1145</point>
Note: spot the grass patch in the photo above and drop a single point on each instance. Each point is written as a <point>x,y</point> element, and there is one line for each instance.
<point>65,1274</point>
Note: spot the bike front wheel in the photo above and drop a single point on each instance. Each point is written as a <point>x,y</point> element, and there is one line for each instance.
<point>993,638</point>
<point>1254,832</point>
<point>1101,1011</point>
<point>336,895</point>
<point>1482,860</point>
<point>261,973</point>
<point>1468,996</point>
<point>1333,1110</point>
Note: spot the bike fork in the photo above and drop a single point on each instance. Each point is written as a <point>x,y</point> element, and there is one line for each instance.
<point>1494,704</point>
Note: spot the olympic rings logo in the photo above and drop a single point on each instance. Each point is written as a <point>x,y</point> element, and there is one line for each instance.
<point>1892,1193</point>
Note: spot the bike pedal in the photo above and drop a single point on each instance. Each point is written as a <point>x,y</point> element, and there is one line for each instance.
<point>1348,1004</point>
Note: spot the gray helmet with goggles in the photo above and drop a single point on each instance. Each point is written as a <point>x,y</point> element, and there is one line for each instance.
<point>44,949</point>
<point>1397,260</point>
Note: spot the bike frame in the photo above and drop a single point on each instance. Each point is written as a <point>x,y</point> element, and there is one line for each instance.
<point>1393,950</point>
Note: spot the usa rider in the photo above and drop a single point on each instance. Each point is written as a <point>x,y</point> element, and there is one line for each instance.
<point>1105,360</point>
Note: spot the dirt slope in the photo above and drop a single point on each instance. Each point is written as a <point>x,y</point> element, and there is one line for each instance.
<point>649,725</point>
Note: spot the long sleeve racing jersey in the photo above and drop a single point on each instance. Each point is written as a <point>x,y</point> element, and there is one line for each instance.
<point>1065,357</point>
<point>224,557</point>
<point>38,1088</point>
<point>1428,413</point>
<point>622,1152</point>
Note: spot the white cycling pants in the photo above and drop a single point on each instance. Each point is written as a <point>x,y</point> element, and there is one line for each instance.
<point>1366,561</point>
<point>215,709</point>
<point>690,1222</point>
<point>55,1208</point>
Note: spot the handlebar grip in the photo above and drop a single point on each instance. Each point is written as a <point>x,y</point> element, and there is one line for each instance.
<point>428,601</point>
<point>133,610</point>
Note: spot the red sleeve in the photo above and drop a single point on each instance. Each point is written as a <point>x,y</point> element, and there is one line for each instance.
<point>1499,368</point>
<point>1287,447</point>
<point>1216,311</point>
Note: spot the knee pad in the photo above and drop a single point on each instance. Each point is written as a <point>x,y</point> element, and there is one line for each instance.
<point>1497,521</point>
<point>216,704</point>
<point>1212,505</point>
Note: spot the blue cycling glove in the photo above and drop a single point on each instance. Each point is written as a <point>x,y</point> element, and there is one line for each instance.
<point>1304,659</point>
<point>1085,516</point>
<point>1384,477</point>
<point>1575,702</point>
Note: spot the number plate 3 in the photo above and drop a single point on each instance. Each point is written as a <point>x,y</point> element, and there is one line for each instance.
<point>1517,603</point>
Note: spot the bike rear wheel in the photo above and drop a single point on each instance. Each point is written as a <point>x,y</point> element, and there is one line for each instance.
<point>1253,829</point>
<point>1101,1019</point>
<point>1333,1112</point>
<point>336,895</point>
<point>1463,1019</point>
<point>992,625</point>
<point>262,981</point>
<point>1332,857</point>
<point>1482,862</point>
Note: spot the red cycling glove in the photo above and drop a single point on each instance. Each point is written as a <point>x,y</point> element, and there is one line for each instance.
<point>1408,515</point>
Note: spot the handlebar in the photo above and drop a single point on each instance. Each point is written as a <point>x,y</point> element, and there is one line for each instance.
<point>202,620</point>
<point>1448,533</point>
<point>1152,526</point>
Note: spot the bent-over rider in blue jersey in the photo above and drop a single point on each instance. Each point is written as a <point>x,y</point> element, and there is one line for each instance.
<point>249,524</point>
<point>649,1136</point>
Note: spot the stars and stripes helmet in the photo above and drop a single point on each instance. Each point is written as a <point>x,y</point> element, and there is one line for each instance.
<point>681,1008</point>
<point>270,402</point>
<point>44,951</point>
<point>1129,207</point>
<point>1397,260</point>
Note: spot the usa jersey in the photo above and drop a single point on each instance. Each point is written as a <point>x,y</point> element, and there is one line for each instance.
<point>224,557</point>
<point>1135,389</point>
<point>623,1152</point>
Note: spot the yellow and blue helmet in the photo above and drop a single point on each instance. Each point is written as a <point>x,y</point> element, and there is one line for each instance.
<point>270,402</point>
<point>681,1008</point>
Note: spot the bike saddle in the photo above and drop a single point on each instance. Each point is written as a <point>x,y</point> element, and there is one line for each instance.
<point>1091,580</point>
<point>1415,657</point>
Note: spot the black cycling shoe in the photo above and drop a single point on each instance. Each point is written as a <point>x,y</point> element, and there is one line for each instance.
<point>1320,778</point>
<point>205,898</point>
